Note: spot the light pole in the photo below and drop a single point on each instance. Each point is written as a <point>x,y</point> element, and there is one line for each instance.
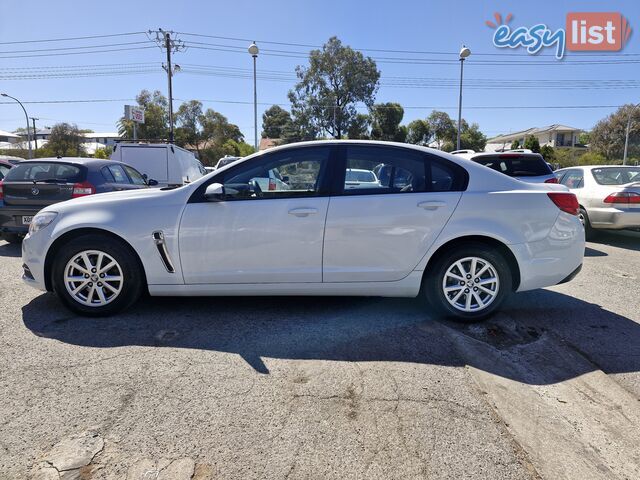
<point>464,53</point>
<point>253,51</point>
<point>27,117</point>
<point>626,136</point>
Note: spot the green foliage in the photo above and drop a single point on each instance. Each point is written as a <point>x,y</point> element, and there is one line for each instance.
<point>532,143</point>
<point>472,138</point>
<point>547,153</point>
<point>65,141</point>
<point>418,132</point>
<point>442,128</point>
<point>514,145</point>
<point>592,158</point>
<point>584,138</point>
<point>385,125</point>
<point>608,136</point>
<point>359,128</point>
<point>337,78</point>
<point>156,118</point>
<point>103,153</point>
<point>274,121</point>
<point>22,153</point>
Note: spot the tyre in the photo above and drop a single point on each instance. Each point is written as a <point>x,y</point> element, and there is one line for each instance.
<point>12,237</point>
<point>589,232</point>
<point>97,275</point>
<point>468,283</point>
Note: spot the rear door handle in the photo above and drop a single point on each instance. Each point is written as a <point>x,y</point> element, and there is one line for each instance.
<point>303,212</point>
<point>431,204</point>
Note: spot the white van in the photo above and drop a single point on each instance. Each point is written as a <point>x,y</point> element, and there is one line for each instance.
<point>169,165</point>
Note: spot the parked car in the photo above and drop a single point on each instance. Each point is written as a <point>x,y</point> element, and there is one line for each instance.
<point>226,160</point>
<point>33,184</point>
<point>521,164</point>
<point>5,166</point>
<point>609,196</point>
<point>460,235</point>
<point>359,178</point>
<point>169,165</point>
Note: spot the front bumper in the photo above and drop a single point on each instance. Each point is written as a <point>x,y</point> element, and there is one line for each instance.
<point>614,218</point>
<point>34,249</point>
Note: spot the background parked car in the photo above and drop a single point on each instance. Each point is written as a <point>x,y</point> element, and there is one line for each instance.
<point>33,184</point>
<point>169,165</point>
<point>5,166</point>
<point>226,160</point>
<point>609,196</point>
<point>521,164</point>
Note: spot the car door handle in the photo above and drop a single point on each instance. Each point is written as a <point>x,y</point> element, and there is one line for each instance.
<point>303,212</point>
<point>431,204</point>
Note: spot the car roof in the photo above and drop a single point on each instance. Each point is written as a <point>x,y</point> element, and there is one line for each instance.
<point>86,161</point>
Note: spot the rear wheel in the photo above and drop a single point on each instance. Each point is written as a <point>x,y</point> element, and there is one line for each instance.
<point>96,275</point>
<point>468,283</point>
<point>12,237</point>
<point>589,231</point>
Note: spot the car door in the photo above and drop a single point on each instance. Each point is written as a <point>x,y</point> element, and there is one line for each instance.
<point>116,179</point>
<point>381,233</point>
<point>573,179</point>
<point>260,231</point>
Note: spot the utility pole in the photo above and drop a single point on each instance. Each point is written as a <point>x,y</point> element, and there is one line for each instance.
<point>168,41</point>
<point>35,138</point>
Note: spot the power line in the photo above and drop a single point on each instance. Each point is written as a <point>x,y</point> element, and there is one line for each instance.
<point>78,53</point>
<point>76,48</point>
<point>73,38</point>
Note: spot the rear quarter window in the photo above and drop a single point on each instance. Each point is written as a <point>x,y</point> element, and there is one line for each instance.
<point>26,172</point>
<point>515,165</point>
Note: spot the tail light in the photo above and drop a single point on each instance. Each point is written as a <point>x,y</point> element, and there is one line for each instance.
<point>82,189</point>
<point>1,191</point>
<point>567,202</point>
<point>551,180</point>
<point>272,184</point>
<point>623,197</point>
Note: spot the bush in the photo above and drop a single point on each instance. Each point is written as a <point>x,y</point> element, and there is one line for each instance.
<point>514,145</point>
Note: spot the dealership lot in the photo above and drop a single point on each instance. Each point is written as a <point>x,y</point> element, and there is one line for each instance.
<point>326,387</point>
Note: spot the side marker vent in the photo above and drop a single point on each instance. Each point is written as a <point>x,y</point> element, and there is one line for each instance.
<point>158,239</point>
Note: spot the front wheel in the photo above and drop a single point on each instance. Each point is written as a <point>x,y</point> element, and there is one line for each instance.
<point>96,275</point>
<point>468,283</point>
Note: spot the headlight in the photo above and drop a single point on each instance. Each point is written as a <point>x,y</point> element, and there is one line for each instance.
<point>40,221</point>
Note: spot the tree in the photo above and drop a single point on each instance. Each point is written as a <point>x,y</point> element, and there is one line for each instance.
<point>385,125</point>
<point>532,143</point>
<point>584,138</point>
<point>419,132</point>
<point>274,121</point>
<point>359,128</point>
<point>65,140</point>
<point>337,78</point>
<point>608,136</point>
<point>442,127</point>
<point>472,138</point>
<point>547,152</point>
<point>156,117</point>
<point>103,153</point>
<point>514,145</point>
<point>189,125</point>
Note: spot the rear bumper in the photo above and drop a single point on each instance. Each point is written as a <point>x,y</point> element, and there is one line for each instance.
<point>614,218</point>
<point>11,218</point>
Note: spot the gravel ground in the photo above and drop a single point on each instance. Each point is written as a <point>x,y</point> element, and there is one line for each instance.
<point>340,388</point>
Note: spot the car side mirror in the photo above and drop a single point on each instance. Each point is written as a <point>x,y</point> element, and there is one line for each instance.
<point>214,192</point>
<point>152,183</point>
<point>285,179</point>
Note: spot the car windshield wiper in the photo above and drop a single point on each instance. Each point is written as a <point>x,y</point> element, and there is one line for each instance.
<point>51,180</point>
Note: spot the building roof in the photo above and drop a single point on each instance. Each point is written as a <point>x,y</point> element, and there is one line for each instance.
<point>8,134</point>
<point>101,135</point>
<point>509,137</point>
<point>266,143</point>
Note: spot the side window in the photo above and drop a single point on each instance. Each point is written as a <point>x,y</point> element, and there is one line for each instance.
<point>108,176</point>
<point>118,174</point>
<point>291,173</point>
<point>573,179</point>
<point>375,170</point>
<point>135,176</point>
<point>3,171</point>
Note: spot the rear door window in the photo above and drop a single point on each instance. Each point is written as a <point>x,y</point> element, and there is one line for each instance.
<point>573,179</point>
<point>41,171</point>
<point>515,165</point>
<point>118,174</point>
<point>108,176</point>
<point>3,171</point>
<point>135,176</point>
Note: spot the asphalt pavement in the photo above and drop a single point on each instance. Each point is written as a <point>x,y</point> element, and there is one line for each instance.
<point>340,388</point>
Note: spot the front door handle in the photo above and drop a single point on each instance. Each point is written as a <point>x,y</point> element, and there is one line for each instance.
<point>431,204</point>
<point>303,212</point>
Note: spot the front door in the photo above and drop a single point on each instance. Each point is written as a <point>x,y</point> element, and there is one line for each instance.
<point>392,205</point>
<point>269,226</point>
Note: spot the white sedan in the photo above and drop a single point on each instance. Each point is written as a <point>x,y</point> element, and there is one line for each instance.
<point>460,235</point>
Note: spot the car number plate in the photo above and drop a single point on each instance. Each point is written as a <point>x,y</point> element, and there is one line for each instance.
<point>26,219</point>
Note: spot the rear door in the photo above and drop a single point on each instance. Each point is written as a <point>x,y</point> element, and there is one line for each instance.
<point>37,184</point>
<point>381,233</point>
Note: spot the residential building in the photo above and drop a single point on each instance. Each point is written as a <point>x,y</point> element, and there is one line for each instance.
<point>556,135</point>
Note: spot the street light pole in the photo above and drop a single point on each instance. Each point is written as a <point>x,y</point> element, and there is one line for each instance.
<point>25,116</point>
<point>253,51</point>
<point>167,45</point>
<point>464,53</point>
<point>35,140</point>
<point>626,136</point>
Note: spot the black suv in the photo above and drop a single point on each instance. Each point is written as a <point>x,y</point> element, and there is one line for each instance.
<point>33,184</point>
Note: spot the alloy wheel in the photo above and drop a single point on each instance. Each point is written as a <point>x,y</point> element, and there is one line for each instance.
<point>471,284</point>
<point>93,278</point>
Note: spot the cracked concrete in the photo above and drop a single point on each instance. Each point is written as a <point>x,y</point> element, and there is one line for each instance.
<point>344,388</point>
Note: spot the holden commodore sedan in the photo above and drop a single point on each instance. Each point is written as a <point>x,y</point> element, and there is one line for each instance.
<point>460,235</point>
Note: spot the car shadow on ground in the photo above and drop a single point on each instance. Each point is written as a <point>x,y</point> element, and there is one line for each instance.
<point>514,344</point>
<point>10,249</point>
<point>628,239</point>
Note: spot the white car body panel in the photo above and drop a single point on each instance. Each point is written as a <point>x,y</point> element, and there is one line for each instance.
<point>373,244</point>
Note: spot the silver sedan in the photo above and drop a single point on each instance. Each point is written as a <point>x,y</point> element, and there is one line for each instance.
<point>609,196</point>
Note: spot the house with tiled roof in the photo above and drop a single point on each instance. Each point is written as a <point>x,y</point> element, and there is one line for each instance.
<point>556,135</point>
